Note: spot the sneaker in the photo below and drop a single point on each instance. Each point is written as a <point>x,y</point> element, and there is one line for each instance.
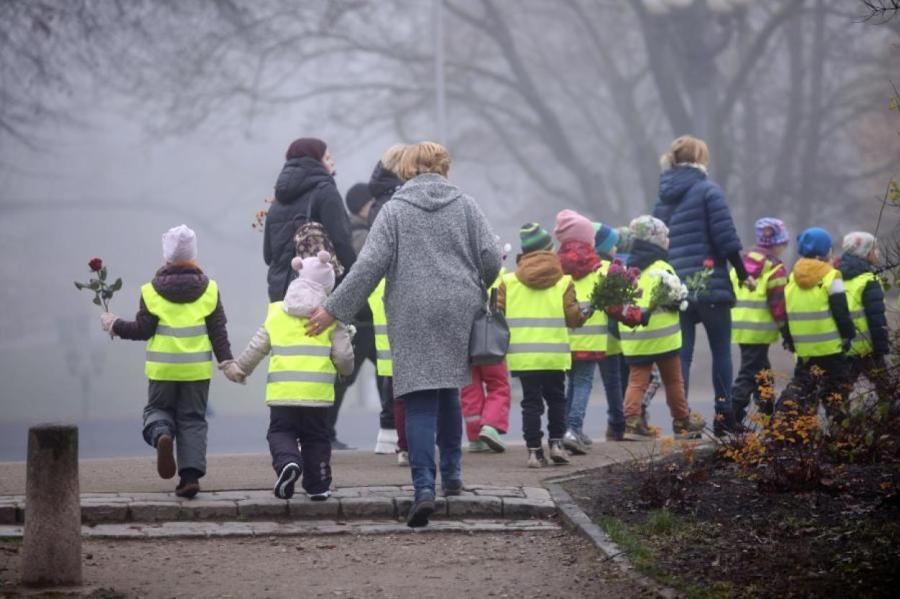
<point>165,456</point>
<point>339,445</point>
<point>585,439</point>
<point>287,478</point>
<point>452,487</point>
<point>403,458</point>
<point>491,437</point>
<point>536,457</point>
<point>571,442</point>
<point>386,442</point>
<point>688,428</point>
<point>188,484</point>
<point>419,513</point>
<point>612,435</point>
<point>558,453</point>
<point>637,430</point>
<point>478,447</point>
<point>319,496</point>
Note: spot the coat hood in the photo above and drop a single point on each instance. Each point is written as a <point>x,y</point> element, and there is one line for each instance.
<point>298,176</point>
<point>852,266</point>
<point>643,254</point>
<point>809,272</point>
<point>303,297</point>
<point>429,192</point>
<point>539,270</point>
<point>578,259</point>
<point>755,261</point>
<point>383,183</point>
<point>675,183</point>
<point>180,283</point>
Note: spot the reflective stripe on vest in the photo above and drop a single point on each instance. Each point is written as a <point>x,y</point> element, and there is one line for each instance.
<point>810,322</point>
<point>751,318</point>
<point>180,349</point>
<point>862,342</point>
<point>384,364</point>
<point>663,332</point>
<point>300,368</point>
<point>538,337</point>
<point>592,336</point>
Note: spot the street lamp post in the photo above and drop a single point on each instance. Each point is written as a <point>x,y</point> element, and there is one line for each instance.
<point>439,87</point>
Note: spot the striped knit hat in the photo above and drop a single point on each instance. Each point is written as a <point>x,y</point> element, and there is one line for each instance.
<point>535,238</point>
<point>605,238</point>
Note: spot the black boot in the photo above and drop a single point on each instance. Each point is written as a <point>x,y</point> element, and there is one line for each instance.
<point>189,484</point>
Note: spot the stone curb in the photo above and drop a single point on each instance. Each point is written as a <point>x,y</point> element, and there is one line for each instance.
<point>198,529</point>
<point>351,503</point>
<point>575,519</point>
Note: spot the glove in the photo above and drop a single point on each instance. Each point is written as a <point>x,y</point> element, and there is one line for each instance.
<point>351,330</point>
<point>107,320</point>
<point>233,372</point>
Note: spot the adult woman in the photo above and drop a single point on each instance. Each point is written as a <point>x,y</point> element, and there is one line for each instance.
<point>701,228</point>
<point>433,244</point>
<point>304,186</point>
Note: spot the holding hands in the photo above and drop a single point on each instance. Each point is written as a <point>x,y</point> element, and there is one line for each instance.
<point>233,372</point>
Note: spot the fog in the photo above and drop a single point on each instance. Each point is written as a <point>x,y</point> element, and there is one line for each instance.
<point>120,120</point>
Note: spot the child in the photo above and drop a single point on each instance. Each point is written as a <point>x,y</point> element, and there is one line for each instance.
<point>656,340</point>
<point>540,306</point>
<point>819,327</point>
<point>758,315</point>
<point>182,319</point>
<point>865,299</point>
<point>302,373</point>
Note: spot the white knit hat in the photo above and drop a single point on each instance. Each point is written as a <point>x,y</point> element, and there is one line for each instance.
<point>179,244</point>
<point>317,269</point>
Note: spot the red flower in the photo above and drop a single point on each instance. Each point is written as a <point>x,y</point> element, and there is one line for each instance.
<point>96,264</point>
<point>708,264</point>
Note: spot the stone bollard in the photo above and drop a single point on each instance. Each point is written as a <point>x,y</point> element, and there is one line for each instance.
<point>51,554</point>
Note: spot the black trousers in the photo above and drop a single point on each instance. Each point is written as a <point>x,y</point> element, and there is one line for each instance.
<point>754,359</point>
<point>537,389</point>
<point>308,426</point>
<point>824,379</point>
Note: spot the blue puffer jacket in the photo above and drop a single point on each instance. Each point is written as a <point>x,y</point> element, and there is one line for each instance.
<point>700,227</point>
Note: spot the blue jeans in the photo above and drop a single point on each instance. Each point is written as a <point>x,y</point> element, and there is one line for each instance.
<point>716,319</point>
<point>578,392</point>
<point>433,415</point>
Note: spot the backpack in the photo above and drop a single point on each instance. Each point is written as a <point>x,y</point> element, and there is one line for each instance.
<point>310,238</point>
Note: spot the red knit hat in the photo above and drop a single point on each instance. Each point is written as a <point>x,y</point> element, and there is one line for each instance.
<point>306,146</point>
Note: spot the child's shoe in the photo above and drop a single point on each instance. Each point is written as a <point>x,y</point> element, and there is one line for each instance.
<point>452,487</point>
<point>386,442</point>
<point>287,478</point>
<point>478,447</point>
<point>573,443</point>
<point>165,456</point>
<point>491,437</point>
<point>585,439</point>
<point>420,512</point>
<point>188,484</point>
<point>558,452</point>
<point>688,428</point>
<point>637,430</point>
<point>613,435</point>
<point>403,458</point>
<point>319,496</point>
<point>536,457</point>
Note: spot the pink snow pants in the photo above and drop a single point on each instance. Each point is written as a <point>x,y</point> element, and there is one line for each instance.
<point>486,400</point>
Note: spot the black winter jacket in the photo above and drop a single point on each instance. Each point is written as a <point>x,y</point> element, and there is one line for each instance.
<point>382,185</point>
<point>872,300</point>
<point>303,180</point>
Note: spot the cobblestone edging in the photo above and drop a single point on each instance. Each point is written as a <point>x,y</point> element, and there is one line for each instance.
<point>350,503</point>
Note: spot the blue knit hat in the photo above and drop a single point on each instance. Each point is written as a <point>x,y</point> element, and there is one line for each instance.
<point>814,242</point>
<point>534,238</point>
<point>605,238</point>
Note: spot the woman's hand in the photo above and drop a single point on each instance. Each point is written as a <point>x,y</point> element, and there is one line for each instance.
<point>750,283</point>
<point>318,322</point>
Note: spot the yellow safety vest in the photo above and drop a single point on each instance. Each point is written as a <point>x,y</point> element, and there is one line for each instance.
<point>751,318</point>
<point>593,335</point>
<point>862,342</point>
<point>180,349</point>
<point>301,372</point>
<point>810,321</point>
<point>663,331</point>
<point>538,336</point>
<point>384,365</point>
<point>496,284</point>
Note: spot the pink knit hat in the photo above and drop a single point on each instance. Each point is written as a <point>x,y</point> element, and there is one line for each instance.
<point>571,226</point>
<point>317,269</point>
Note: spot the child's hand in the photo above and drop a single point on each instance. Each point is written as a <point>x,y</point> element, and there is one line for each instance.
<point>107,320</point>
<point>750,283</point>
<point>233,372</point>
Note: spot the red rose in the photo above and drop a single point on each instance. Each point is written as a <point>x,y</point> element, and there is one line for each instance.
<point>96,264</point>
<point>708,264</point>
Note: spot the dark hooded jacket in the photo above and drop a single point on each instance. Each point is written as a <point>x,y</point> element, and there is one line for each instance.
<point>872,301</point>
<point>700,227</point>
<point>382,185</point>
<point>303,180</point>
<point>181,284</point>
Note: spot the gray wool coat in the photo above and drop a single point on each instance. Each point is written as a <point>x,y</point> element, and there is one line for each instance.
<point>421,242</point>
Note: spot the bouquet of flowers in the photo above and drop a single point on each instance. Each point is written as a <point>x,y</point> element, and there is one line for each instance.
<point>698,282</point>
<point>670,294</point>
<point>619,287</point>
<point>103,292</point>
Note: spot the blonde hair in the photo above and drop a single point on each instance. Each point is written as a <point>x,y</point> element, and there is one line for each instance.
<point>687,150</point>
<point>391,157</point>
<point>423,157</point>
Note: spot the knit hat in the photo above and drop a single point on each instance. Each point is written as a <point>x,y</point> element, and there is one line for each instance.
<point>814,242</point>
<point>317,269</point>
<point>771,232</point>
<point>571,226</point>
<point>179,244</point>
<point>605,238</point>
<point>357,196</point>
<point>650,229</point>
<point>306,146</point>
<point>626,238</point>
<point>858,243</point>
<point>534,238</point>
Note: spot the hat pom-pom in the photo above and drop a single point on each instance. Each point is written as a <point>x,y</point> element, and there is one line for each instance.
<point>297,263</point>
<point>324,257</point>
